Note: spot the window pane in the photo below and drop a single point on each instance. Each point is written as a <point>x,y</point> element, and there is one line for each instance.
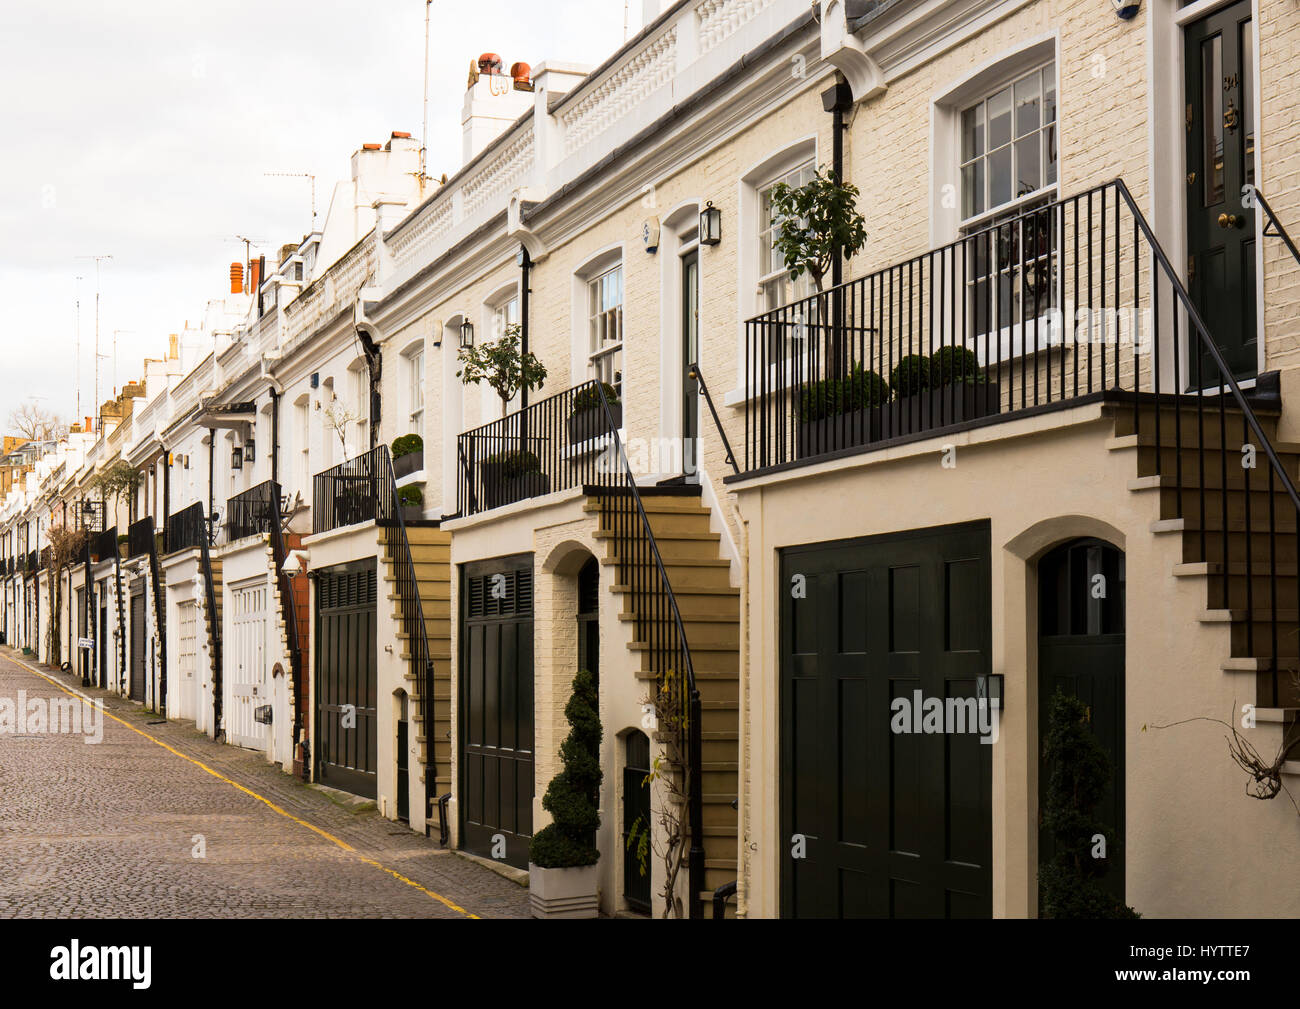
<point>1049,94</point>
<point>972,189</point>
<point>999,169</point>
<point>1212,71</point>
<point>1028,113</point>
<point>1049,142</point>
<point>999,114</point>
<point>972,133</point>
<point>1028,170</point>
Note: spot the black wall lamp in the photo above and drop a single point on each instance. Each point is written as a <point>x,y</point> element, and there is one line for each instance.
<point>236,458</point>
<point>466,333</point>
<point>710,225</point>
<point>988,687</point>
<point>250,450</point>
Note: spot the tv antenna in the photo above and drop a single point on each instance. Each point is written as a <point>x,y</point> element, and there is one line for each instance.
<point>300,175</point>
<point>98,260</point>
<point>424,131</point>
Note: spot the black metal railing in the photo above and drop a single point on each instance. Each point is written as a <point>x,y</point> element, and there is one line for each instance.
<point>657,627</point>
<point>398,547</point>
<point>88,611</point>
<point>554,444</point>
<point>104,544</point>
<point>351,492</point>
<point>695,373</point>
<point>139,537</point>
<point>1271,222</point>
<point>120,596</point>
<point>1069,301</point>
<point>270,492</point>
<point>213,624</point>
<point>187,528</point>
<point>254,512</point>
<point>33,564</point>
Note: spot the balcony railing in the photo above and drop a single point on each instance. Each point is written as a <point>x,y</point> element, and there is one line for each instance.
<point>32,562</point>
<point>104,545</point>
<point>253,512</point>
<point>555,444</point>
<point>187,529</point>
<point>352,492</point>
<point>139,537</point>
<point>1066,302</point>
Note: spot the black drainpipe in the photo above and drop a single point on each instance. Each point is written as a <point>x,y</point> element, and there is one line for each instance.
<point>525,269</point>
<point>837,101</point>
<point>167,495</point>
<point>375,369</point>
<point>212,457</point>
<point>275,437</point>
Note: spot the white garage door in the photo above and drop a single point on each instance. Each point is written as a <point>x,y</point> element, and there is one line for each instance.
<point>246,675</point>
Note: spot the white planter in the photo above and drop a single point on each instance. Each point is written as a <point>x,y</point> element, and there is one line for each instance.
<point>563,893</point>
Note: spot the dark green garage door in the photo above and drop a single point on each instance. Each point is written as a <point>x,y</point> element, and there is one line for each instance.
<point>888,824</point>
<point>496,725</point>
<point>347,685</point>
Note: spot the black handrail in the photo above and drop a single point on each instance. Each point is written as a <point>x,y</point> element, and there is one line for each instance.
<point>1273,222</point>
<point>698,375</point>
<point>398,546</point>
<point>121,616</point>
<point>285,582</point>
<point>254,512</point>
<point>186,529</point>
<point>88,622</point>
<point>214,631</point>
<point>658,623</point>
<point>139,537</point>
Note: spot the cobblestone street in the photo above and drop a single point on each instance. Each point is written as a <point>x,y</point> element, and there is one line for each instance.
<point>112,830</point>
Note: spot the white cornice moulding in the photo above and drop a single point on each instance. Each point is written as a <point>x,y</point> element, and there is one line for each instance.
<point>515,227</point>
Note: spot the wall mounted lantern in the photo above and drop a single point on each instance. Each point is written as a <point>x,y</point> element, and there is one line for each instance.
<point>236,458</point>
<point>466,333</point>
<point>710,225</point>
<point>250,450</point>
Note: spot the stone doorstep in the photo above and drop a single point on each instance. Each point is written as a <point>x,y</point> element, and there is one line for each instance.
<point>509,872</point>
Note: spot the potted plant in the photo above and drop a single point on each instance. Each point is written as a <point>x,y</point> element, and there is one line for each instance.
<point>840,412</point>
<point>1070,880</point>
<point>408,455</point>
<point>909,380</point>
<point>122,545</point>
<point>962,390</point>
<point>562,857</point>
<point>412,501</point>
<point>587,417</point>
<point>818,222</point>
<point>512,475</point>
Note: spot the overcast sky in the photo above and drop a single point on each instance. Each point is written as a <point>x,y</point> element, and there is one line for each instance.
<point>142,129</point>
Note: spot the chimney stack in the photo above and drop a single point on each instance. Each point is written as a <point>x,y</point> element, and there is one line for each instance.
<point>173,349</point>
<point>254,276</point>
<point>236,278</point>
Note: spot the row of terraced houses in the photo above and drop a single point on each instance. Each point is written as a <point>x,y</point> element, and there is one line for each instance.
<point>759,557</point>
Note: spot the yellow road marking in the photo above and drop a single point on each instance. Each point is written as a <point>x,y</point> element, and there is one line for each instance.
<point>260,798</point>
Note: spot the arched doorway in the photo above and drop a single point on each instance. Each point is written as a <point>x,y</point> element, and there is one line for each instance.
<point>589,617</point>
<point>1081,653</point>
<point>636,821</point>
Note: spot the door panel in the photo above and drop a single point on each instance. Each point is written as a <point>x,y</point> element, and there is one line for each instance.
<point>894,823</point>
<point>1220,161</point>
<point>690,355</point>
<point>246,678</point>
<point>346,744</point>
<point>496,727</point>
<point>138,644</point>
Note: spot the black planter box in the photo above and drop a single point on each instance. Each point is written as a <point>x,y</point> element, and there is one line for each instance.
<point>353,506</point>
<point>584,425</point>
<point>922,411</point>
<point>942,407</point>
<point>499,489</point>
<point>412,513</point>
<point>405,465</point>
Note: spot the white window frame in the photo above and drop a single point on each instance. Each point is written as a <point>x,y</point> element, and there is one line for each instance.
<point>605,356</point>
<point>415,363</point>
<point>772,281</point>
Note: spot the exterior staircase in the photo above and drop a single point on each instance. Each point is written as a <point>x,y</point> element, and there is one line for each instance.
<point>431,555</point>
<point>710,610</point>
<point>214,646</point>
<point>1215,503</point>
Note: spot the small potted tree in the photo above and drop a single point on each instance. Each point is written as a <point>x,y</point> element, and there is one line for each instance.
<point>1071,878</point>
<point>562,857</point>
<point>412,501</point>
<point>962,389</point>
<point>587,419</point>
<point>408,455</point>
<point>909,380</point>
<point>502,366</point>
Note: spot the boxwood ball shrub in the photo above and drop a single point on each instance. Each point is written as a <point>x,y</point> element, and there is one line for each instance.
<point>910,375</point>
<point>406,444</point>
<point>589,397</point>
<point>954,366</point>
<point>410,496</point>
<point>573,796</point>
<point>515,463</point>
<point>834,396</point>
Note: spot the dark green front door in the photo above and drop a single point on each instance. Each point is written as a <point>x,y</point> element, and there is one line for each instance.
<point>877,822</point>
<point>403,772</point>
<point>1081,653</point>
<point>690,355</point>
<point>496,705</point>
<point>347,679</point>
<point>1220,162</point>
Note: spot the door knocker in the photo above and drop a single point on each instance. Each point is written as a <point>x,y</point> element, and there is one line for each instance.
<point>1230,118</point>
